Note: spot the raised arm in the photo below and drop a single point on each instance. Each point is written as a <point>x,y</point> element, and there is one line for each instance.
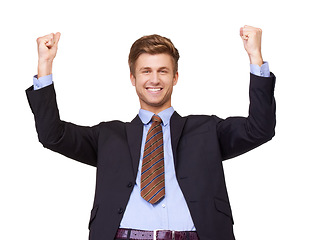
<point>76,142</point>
<point>238,135</point>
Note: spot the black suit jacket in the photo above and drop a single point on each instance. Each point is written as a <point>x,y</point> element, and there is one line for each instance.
<point>199,145</point>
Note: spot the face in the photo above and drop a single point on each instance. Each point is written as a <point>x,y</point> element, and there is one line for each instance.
<point>154,80</point>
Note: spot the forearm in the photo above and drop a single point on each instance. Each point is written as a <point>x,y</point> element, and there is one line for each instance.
<point>44,108</point>
<point>261,120</point>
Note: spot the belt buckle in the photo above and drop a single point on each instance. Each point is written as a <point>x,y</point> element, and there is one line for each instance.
<point>155,233</point>
<point>156,230</point>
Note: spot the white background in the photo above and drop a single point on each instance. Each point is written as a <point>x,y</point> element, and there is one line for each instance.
<point>47,196</point>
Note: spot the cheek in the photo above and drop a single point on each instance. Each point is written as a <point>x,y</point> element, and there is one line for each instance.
<point>170,82</point>
<point>140,81</point>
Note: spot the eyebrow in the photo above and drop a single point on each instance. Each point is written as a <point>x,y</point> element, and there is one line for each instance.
<point>149,68</point>
<point>144,68</point>
<point>163,68</point>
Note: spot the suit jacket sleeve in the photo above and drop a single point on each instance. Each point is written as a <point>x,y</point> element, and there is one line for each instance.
<point>76,142</point>
<point>238,135</point>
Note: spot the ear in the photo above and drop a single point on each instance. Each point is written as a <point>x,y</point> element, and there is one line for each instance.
<point>132,79</point>
<point>175,79</point>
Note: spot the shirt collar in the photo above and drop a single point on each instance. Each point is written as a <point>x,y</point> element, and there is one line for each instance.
<point>165,115</point>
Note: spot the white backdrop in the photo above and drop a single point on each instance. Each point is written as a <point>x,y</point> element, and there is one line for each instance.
<point>47,196</point>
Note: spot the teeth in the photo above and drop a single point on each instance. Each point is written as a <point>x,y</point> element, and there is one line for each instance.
<point>154,89</point>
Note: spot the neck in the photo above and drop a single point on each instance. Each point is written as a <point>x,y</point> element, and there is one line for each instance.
<point>155,109</point>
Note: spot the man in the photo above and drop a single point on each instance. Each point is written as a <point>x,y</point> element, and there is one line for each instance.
<point>160,171</point>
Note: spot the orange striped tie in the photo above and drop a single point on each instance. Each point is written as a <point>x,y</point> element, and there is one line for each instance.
<point>153,170</point>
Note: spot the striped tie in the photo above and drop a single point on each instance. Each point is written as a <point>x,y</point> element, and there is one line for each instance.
<point>153,172</point>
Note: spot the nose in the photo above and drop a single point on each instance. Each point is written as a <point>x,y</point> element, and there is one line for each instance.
<point>154,78</point>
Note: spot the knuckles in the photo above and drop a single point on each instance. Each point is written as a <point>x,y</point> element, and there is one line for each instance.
<point>250,29</point>
<point>44,38</point>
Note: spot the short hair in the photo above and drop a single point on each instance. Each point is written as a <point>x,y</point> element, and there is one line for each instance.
<point>152,44</point>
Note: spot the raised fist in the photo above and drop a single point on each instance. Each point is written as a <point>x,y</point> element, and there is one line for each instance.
<point>47,46</point>
<point>47,49</point>
<point>252,40</point>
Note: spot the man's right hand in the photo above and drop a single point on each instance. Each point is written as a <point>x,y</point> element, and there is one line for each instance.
<point>47,49</point>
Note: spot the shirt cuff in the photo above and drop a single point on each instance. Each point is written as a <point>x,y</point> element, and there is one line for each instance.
<point>261,71</point>
<point>42,81</point>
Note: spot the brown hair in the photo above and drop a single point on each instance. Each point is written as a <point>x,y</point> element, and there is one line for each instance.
<point>152,44</point>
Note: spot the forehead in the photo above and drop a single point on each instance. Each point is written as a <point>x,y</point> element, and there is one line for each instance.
<point>146,60</point>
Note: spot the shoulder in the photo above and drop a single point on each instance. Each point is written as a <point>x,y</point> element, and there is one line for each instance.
<point>117,126</point>
<point>193,123</point>
<point>112,125</point>
<point>201,119</point>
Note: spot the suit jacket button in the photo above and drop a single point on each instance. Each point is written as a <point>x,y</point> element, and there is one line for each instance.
<point>120,210</point>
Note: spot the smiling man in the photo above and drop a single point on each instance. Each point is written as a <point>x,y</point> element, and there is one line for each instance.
<point>160,171</point>
<point>154,79</point>
<point>153,63</point>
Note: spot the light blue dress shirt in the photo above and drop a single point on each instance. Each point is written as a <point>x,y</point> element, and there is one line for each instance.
<point>172,212</point>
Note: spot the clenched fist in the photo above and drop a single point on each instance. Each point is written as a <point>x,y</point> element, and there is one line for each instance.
<point>252,40</point>
<point>47,49</point>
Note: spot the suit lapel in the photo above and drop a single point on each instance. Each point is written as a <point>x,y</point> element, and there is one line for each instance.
<point>134,137</point>
<point>176,127</point>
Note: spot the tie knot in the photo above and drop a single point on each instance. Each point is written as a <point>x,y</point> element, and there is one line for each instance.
<point>156,118</point>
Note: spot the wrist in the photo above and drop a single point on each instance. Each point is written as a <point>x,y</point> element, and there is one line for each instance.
<point>44,68</point>
<point>256,59</point>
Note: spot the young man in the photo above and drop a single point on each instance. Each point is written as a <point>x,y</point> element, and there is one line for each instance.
<point>160,171</point>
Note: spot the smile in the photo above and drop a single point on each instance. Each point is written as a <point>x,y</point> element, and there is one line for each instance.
<point>154,89</point>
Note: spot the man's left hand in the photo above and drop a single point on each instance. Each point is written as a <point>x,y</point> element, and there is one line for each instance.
<point>252,39</point>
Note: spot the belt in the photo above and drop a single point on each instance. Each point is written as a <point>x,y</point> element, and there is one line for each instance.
<point>155,235</point>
